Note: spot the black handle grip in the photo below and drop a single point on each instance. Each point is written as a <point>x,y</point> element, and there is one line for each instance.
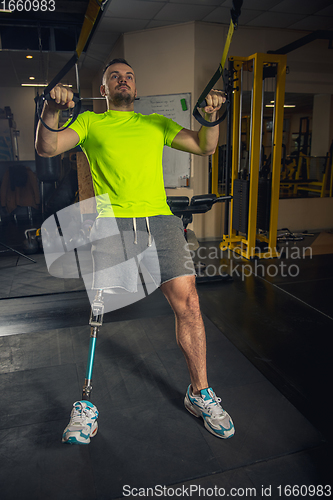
<point>47,97</point>
<point>206,123</point>
<point>40,99</point>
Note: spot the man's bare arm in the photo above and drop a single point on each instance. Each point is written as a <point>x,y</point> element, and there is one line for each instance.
<point>49,143</point>
<point>204,141</point>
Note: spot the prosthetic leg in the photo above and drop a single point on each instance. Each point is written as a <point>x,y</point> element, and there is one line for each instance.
<point>83,422</point>
<point>96,320</point>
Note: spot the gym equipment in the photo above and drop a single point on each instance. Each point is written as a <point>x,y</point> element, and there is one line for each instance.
<point>323,187</point>
<point>30,244</point>
<point>183,208</point>
<point>201,103</point>
<point>315,35</point>
<point>254,201</point>
<point>90,18</point>
<point>48,169</point>
<point>285,234</point>
<point>10,149</point>
<point>10,249</point>
<point>39,239</point>
<point>312,175</point>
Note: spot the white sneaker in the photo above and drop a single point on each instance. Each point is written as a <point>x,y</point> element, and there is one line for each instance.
<point>82,425</point>
<point>207,405</point>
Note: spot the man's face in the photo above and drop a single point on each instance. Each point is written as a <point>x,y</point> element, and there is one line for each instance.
<point>119,85</point>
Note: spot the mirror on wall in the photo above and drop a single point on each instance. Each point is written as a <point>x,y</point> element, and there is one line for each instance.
<point>303,174</point>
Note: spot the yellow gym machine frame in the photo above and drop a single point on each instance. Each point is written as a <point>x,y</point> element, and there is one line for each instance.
<point>246,245</point>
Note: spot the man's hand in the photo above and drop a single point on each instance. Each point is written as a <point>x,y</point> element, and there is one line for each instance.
<point>205,141</point>
<point>214,101</point>
<point>50,143</point>
<point>61,98</point>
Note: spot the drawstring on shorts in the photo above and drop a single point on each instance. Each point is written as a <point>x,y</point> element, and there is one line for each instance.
<point>135,233</point>
<point>149,233</point>
<point>148,230</point>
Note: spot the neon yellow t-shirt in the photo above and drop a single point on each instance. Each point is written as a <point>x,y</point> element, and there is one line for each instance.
<point>124,150</point>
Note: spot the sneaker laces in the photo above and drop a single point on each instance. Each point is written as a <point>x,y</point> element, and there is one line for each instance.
<point>80,413</point>
<point>213,406</point>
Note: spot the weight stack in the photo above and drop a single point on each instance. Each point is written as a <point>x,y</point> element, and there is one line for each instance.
<point>264,204</point>
<point>240,205</point>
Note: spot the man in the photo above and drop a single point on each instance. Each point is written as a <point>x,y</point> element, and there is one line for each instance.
<point>124,150</point>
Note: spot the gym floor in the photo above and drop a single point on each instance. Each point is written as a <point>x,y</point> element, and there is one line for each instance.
<point>268,359</point>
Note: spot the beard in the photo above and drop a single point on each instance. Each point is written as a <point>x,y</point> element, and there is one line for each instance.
<point>123,99</point>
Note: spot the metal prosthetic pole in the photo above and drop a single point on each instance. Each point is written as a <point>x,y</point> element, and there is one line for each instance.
<point>96,320</point>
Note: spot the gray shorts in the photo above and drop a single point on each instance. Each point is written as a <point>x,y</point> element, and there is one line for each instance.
<point>123,246</point>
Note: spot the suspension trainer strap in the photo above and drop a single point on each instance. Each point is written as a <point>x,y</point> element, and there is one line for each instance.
<point>90,18</point>
<point>201,103</point>
<point>40,99</point>
<point>63,72</point>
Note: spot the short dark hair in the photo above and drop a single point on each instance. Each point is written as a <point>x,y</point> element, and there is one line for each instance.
<point>115,61</point>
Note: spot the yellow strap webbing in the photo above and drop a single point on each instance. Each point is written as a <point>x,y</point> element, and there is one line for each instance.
<point>89,20</point>
<point>227,44</point>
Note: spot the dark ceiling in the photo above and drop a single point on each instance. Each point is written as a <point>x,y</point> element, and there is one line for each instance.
<point>51,35</point>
